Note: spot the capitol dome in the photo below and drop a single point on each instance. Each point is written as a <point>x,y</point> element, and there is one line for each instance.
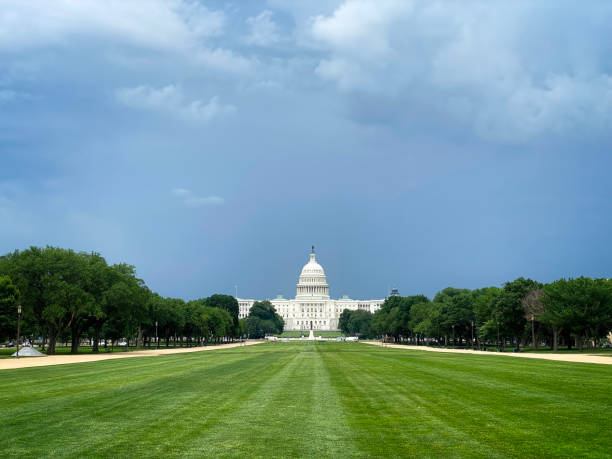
<point>312,281</point>
<point>312,268</point>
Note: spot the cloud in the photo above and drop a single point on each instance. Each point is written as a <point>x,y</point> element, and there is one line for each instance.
<point>263,30</point>
<point>510,70</point>
<point>191,200</point>
<point>176,27</point>
<point>170,99</point>
<point>155,23</point>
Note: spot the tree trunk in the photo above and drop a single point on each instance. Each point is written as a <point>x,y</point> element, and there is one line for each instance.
<point>44,339</point>
<point>94,347</point>
<point>52,341</point>
<point>139,340</point>
<point>555,338</point>
<point>74,344</point>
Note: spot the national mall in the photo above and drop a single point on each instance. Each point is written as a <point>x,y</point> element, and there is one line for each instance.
<point>312,308</point>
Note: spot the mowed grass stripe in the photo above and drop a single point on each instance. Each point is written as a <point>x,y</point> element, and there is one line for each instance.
<point>481,406</point>
<point>121,407</point>
<point>190,406</point>
<point>392,419</point>
<point>295,413</point>
<point>306,399</point>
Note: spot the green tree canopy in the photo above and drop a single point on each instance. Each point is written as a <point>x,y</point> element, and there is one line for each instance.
<point>583,306</point>
<point>356,323</point>
<point>230,304</point>
<point>9,294</point>
<point>263,320</point>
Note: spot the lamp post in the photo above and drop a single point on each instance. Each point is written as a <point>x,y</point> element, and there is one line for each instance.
<point>18,327</point>
<point>533,344</point>
<point>156,338</point>
<point>454,342</point>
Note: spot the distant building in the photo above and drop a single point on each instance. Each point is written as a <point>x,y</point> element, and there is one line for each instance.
<point>312,308</point>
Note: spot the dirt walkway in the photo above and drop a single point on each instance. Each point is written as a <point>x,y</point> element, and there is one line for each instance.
<point>25,362</point>
<point>580,358</point>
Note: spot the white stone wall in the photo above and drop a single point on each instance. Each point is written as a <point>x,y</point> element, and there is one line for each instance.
<point>324,314</point>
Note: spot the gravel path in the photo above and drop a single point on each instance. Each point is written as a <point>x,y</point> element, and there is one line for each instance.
<point>579,358</point>
<point>25,362</point>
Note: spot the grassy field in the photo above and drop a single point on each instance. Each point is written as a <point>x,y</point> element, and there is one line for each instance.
<point>299,334</point>
<point>307,399</point>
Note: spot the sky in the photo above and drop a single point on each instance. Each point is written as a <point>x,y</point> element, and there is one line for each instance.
<point>418,144</point>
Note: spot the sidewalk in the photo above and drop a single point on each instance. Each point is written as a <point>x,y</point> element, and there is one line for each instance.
<point>26,362</point>
<point>579,358</point>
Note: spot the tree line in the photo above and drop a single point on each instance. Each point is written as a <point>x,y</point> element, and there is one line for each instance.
<point>263,320</point>
<point>67,296</point>
<point>574,312</point>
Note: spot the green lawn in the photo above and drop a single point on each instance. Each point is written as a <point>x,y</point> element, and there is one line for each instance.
<point>306,399</point>
<point>299,334</point>
<point>293,334</point>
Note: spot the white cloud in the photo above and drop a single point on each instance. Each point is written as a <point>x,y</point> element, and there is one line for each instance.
<point>180,27</point>
<point>263,30</point>
<point>170,99</point>
<point>497,66</point>
<point>154,23</point>
<point>191,200</point>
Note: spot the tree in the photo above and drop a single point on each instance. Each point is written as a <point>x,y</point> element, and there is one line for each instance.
<point>52,284</point>
<point>508,310</point>
<point>242,330</point>
<point>218,322</point>
<point>27,270</point>
<point>421,320</point>
<point>533,308</point>
<point>98,281</point>
<point>582,306</point>
<point>393,318</point>
<point>456,312</point>
<point>125,304</point>
<point>263,320</point>
<point>356,323</point>
<point>227,302</point>
<point>9,294</point>
<point>487,324</point>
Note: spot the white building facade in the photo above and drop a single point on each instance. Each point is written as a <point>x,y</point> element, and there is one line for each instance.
<point>312,308</point>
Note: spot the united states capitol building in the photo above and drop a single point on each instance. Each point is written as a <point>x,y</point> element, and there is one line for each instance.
<point>312,308</point>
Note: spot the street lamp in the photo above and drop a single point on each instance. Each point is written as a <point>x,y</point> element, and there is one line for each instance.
<point>454,342</point>
<point>18,327</point>
<point>156,338</point>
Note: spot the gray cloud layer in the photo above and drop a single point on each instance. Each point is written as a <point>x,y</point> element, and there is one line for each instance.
<point>431,139</point>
